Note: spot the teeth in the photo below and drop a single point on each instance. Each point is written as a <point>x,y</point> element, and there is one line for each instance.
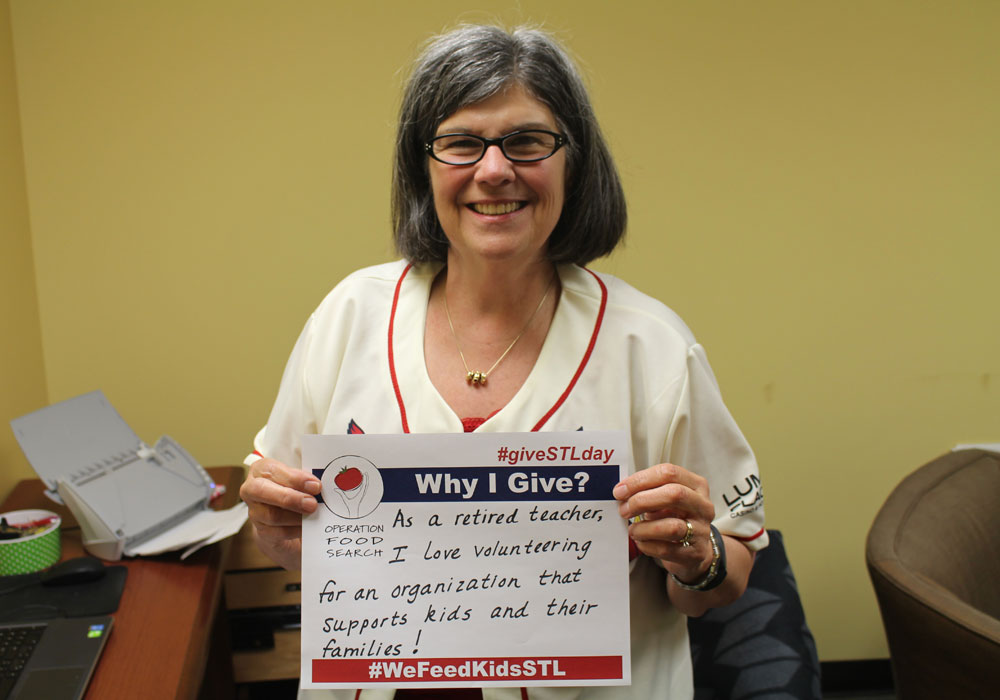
<point>494,209</point>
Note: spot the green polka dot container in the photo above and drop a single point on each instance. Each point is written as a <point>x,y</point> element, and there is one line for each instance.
<point>31,552</point>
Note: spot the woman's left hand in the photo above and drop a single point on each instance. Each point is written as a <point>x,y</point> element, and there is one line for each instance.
<point>665,498</point>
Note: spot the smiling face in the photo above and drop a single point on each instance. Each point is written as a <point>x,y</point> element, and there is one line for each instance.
<point>496,209</point>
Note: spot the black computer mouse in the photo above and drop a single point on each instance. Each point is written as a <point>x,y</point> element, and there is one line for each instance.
<point>72,571</point>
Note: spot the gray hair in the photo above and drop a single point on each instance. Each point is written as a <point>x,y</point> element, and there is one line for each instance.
<point>468,65</point>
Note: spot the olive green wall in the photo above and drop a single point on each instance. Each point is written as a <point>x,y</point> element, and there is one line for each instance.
<point>22,374</point>
<point>812,187</point>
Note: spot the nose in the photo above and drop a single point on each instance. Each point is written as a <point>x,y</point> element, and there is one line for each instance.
<point>494,168</point>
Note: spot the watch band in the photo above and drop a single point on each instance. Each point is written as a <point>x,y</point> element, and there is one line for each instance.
<point>716,573</point>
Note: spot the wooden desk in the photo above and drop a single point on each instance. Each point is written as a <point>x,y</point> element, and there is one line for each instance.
<point>163,630</point>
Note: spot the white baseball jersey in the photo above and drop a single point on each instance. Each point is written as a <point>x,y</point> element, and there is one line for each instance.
<point>614,359</point>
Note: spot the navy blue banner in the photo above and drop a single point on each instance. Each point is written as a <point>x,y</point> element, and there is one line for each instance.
<point>423,484</point>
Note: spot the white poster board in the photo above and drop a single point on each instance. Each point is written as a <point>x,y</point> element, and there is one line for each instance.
<point>465,560</point>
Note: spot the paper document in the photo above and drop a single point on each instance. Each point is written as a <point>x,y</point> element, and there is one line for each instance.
<point>465,560</point>
<point>205,527</point>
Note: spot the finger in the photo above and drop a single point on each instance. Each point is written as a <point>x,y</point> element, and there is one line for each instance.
<point>273,516</point>
<point>672,530</point>
<point>278,534</point>
<point>264,491</point>
<point>664,539</point>
<point>659,475</point>
<point>681,559</point>
<point>282,474</point>
<point>670,500</point>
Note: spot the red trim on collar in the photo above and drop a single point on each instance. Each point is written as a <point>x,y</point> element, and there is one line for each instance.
<point>559,402</point>
<point>392,361</point>
<point>586,355</point>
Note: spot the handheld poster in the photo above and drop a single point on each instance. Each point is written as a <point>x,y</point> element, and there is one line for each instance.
<point>465,560</point>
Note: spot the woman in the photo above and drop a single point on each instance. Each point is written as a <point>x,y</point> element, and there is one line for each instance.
<point>503,188</point>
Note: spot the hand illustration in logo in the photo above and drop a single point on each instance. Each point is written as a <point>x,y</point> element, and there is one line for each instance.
<point>351,486</point>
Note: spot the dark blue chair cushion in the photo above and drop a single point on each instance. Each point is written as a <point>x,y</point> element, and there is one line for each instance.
<point>760,646</point>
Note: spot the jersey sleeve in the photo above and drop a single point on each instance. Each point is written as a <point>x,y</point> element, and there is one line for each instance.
<point>293,413</point>
<point>704,438</point>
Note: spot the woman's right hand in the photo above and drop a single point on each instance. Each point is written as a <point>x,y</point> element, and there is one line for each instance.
<point>277,497</point>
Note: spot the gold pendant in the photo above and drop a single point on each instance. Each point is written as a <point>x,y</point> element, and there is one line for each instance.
<point>475,378</point>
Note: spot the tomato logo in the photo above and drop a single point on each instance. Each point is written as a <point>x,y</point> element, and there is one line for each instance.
<point>351,486</point>
<point>348,478</point>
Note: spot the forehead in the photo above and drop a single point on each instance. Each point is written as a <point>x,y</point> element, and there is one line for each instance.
<point>506,111</point>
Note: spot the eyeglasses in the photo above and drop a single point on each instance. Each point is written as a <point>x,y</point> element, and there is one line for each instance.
<point>519,147</point>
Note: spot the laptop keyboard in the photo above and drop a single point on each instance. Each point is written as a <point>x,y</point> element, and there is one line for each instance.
<point>16,645</point>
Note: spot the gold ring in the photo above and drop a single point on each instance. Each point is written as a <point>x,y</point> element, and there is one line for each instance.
<point>686,542</point>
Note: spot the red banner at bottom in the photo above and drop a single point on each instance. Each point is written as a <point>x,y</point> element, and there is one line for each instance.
<point>467,671</point>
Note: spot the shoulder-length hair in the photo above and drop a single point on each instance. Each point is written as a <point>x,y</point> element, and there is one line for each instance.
<point>470,64</point>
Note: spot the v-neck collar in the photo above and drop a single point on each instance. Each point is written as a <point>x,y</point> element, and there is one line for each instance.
<point>565,353</point>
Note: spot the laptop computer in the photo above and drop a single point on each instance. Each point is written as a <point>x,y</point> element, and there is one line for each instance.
<point>51,659</point>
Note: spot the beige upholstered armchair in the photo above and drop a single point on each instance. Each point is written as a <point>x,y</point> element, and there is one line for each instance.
<point>933,554</point>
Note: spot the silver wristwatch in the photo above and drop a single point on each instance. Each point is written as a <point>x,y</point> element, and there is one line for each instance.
<point>716,573</point>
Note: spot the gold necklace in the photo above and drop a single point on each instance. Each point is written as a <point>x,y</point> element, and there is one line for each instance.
<point>479,378</point>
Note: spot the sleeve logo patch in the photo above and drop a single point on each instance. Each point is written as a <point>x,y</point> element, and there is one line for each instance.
<point>744,497</point>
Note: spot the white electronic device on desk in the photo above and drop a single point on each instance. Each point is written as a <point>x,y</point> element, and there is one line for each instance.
<point>129,498</point>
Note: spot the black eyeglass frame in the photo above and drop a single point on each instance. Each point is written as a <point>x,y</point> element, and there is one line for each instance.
<point>498,142</point>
